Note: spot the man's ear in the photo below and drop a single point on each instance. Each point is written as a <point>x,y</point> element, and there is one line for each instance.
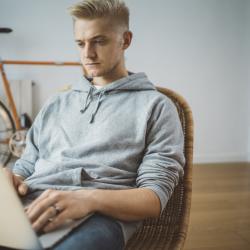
<point>127,38</point>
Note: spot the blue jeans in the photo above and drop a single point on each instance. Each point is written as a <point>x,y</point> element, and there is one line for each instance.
<point>99,232</point>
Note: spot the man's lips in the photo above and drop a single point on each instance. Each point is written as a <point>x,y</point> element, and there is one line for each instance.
<point>89,64</point>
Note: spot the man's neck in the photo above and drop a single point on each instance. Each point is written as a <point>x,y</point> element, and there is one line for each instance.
<point>105,80</point>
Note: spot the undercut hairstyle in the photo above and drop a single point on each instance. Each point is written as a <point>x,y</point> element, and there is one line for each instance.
<point>91,9</point>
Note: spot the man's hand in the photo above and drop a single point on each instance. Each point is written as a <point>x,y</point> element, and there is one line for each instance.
<point>53,208</point>
<point>17,182</point>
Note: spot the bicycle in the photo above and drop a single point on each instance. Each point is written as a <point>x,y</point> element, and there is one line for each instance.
<point>12,130</point>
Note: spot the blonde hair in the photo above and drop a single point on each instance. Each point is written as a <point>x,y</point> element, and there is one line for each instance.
<point>91,9</point>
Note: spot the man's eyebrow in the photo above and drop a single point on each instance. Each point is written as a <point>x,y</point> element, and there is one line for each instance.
<point>93,38</point>
<point>98,37</point>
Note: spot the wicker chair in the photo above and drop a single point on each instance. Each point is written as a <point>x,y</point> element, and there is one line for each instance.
<point>170,230</point>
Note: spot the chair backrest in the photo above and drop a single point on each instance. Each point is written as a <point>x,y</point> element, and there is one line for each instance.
<point>170,230</point>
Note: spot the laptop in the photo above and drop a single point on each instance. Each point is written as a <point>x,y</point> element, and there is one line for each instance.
<point>15,228</point>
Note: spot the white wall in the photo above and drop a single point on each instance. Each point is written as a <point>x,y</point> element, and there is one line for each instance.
<point>42,31</point>
<point>196,47</point>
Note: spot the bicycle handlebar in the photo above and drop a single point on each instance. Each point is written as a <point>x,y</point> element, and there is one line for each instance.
<point>5,30</point>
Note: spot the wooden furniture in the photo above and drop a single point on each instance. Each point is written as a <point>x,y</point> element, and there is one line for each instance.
<point>170,230</point>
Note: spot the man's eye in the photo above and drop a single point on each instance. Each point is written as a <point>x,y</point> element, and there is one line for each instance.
<point>80,45</point>
<point>99,41</point>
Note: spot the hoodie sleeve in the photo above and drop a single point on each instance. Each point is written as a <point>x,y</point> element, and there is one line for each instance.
<point>25,166</point>
<point>163,160</point>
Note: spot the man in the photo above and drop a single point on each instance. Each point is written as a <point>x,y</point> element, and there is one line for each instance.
<point>112,145</point>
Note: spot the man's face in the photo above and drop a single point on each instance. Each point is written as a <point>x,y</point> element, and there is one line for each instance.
<point>101,46</point>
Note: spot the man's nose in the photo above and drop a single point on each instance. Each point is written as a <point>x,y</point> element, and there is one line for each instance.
<point>89,51</point>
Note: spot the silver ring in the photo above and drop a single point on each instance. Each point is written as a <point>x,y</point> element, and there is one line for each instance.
<point>57,209</point>
<point>51,219</point>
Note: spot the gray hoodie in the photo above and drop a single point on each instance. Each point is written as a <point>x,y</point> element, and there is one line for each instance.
<point>124,135</point>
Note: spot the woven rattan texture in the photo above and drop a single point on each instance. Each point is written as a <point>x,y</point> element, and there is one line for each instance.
<point>169,231</point>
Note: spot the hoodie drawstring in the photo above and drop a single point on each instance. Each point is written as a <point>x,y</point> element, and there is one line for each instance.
<point>88,101</point>
<point>100,97</point>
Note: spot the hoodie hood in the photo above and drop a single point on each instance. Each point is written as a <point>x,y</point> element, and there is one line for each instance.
<point>132,82</point>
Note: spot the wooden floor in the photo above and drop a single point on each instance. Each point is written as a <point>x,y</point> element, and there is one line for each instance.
<point>220,213</point>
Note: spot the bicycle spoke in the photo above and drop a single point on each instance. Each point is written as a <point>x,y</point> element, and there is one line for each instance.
<point>4,153</point>
<point>7,128</point>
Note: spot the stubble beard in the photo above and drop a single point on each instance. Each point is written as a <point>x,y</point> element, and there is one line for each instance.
<point>104,72</point>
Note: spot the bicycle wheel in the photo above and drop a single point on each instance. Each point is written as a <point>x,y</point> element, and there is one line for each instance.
<point>7,128</point>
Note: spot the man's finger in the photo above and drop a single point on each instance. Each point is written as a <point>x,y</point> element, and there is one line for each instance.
<point>22,188</point>
<point>37,201</point>
<point>38,207</point>
<point>56,222</point>
<point>43,219</point>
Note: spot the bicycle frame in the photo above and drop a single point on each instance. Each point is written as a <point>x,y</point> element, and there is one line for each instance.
<point>6,84</point>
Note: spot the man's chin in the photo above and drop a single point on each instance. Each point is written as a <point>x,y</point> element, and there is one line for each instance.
<point>93,74</point>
